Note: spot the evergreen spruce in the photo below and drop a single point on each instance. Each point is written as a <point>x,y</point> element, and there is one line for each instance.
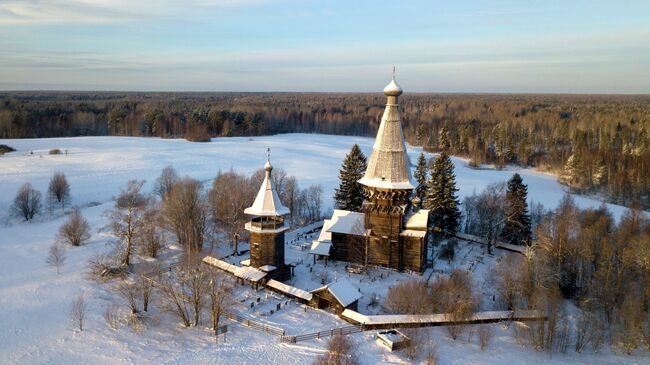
<point>516,229</point>
<point>349,194</point>
<point>421,178</point>
<point>441,197</point>
<point>444,142</point>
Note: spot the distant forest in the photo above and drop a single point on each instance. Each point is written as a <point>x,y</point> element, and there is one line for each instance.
<point>597,144</point>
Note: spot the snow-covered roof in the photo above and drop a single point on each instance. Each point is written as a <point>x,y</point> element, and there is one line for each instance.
<point>413,233</point>
<point>249,273</point>
<point>320,248</point>
<point>267,268</point>
<point>393,319</point>
<point>246,262</point>
<point>392,336</point>
<point>267,202</point>
<point>388,166</point>
<point>325,234</point>
<point>343,291</point>
<point>345,221</point>
<point>417,220</point>
<point>246,272</point>
<point>392,89</point>
<point>220,264</point>
<point>289,290</point>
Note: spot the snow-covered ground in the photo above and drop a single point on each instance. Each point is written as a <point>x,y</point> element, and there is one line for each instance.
<point>97,166</point>
<point>34,301</point>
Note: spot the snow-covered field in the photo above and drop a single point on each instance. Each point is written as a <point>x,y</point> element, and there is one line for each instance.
<point>34,301</point>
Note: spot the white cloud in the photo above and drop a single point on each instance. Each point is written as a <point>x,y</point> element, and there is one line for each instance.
<point>105,11</point>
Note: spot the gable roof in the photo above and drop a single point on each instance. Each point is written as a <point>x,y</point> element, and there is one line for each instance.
<point>320,248</point>
<point>345,221</point>
<point>344,292</point>
<point>325,234</point>
<point>289,290</point>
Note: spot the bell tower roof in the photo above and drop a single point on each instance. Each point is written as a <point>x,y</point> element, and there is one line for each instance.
<point>388,166</point>
<point>267,202</point>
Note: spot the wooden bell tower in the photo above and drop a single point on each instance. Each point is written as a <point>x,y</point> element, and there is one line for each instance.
<point>267,227</point>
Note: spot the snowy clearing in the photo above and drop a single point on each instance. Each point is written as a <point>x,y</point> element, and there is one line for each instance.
<point>97,166</point>
<point>35,302</point>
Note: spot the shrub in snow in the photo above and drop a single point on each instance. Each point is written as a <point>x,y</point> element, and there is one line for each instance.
<point>340,351</point>
<point>4,149</point>
<point>76,230</point>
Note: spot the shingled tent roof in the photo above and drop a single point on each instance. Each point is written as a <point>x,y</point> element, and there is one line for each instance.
<point>388,166</point>
<point>267,202</point>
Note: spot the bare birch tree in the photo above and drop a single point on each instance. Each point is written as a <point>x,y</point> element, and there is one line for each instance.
<point>56,256</point>
<point>185,213</point>
<point>78,311</point>
<point>58,190</point>
<point>27,202</point>
<point>126,218</point>
<point>175,300</point>
<point>168,177</point>
<point>219,293</point>
<point>151,238</point>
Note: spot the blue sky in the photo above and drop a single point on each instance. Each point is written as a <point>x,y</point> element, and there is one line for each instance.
<point>256,45</point>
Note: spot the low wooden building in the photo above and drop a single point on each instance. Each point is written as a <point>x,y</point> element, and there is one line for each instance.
<point>339,296</point>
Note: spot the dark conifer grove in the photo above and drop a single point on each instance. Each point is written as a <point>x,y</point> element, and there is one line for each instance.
<point>349,195</point>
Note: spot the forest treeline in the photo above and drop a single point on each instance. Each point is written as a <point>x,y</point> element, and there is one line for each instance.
<point>595,143</point>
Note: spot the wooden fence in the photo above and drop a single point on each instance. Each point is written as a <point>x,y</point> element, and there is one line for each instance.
<point>259,326</point>
<point>316,335</point>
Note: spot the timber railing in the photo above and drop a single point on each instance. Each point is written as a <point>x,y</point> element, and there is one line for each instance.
<point>259,326</point>
<point>328,333</point>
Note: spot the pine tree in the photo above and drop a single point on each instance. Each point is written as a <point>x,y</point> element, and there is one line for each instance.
<point>441,197</point>
<point>421,178</point>
<point>349,194</point>
<point>516,229</point>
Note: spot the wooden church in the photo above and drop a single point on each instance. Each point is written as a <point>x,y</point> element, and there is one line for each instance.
<point>390,230</point>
